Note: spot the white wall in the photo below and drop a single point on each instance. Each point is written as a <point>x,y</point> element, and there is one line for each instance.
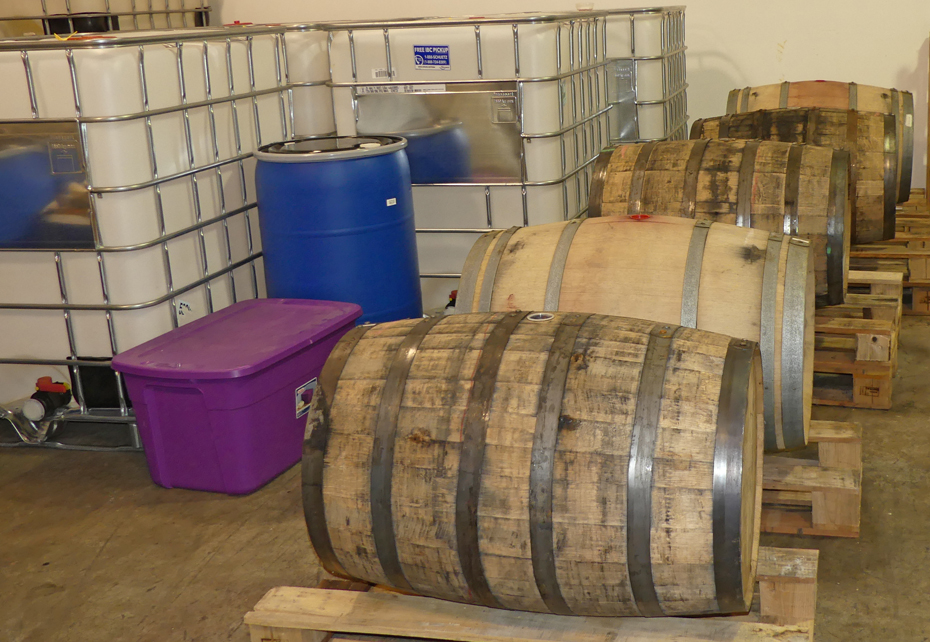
<point>731,43</point>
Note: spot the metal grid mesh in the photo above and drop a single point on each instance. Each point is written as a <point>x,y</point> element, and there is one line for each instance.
<point>579,80</point>
<point>22,17</point>
<point>223,112</point>
<point>647,75</point>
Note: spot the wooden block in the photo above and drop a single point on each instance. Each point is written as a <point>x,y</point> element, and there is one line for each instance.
<point>873,347</point>
<point>816,497</point>
<point>289,611</point>
<point>787,584</point>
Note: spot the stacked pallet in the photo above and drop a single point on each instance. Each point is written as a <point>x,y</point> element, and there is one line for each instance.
<point>908,253</point>
<point>856,343</point>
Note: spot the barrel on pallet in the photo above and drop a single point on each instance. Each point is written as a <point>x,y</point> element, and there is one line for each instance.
<point>799,190</point>
<point>867,136</point>
<point>840,95</point>
<point>712,276</point>
<point>550,462</point>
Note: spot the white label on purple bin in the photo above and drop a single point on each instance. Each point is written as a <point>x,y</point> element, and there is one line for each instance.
<point>302,397</point>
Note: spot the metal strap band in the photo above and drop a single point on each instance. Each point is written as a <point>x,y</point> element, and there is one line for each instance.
<point>639,473</point>
<point>853,96</point>
<point>635,202</point>
<point>744,106</point>
<point>767,336</point>
<point>728,475</point>
<point>733,100</point>
<point>464,302</point>
<point>794,318</point>
<point>598,181</point>
<point>836,229</point>
<point>747,170</point>
<point>314,450</point>
<point>382,453</point>
<point>891,178</point>
<point>490,270</point>
<point>723,127</point>
<point>906,153</point>
<point>783,95</point>
<point>542,467</point>
<point>697,129</point>
<point>758,124</point>
<point>793,189</point>
<point>557,267</point>
<point>471,458</point>
<point>852,146</point>
<point>692,170</point>
<point>692,281</point>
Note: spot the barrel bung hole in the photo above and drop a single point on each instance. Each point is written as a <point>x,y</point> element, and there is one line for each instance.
<point>540,316</point>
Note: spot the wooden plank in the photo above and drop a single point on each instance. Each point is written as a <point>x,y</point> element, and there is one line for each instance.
<point>835,431</point>
<point>320,610</point>
<point>788,476</point>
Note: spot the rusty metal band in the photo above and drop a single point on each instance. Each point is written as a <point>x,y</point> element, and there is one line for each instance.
<point>733,100</point>
<point>758,120</point>
<point>813,124</point>
<point>793,352</point>
<point>690,184</point>
<point>783,95</point>
<point>723,127</point>
<point>490,270</point>
<point>382,454</point>
<point>770,274</point>
<point>852,146</point>
<point>471,458</point>
<point>853,96</point>
<point>793,189</point>
<point>747,170</point>
<point>542,466</point>
<point>598,180</point>
<point>906,143</point>
<point>891,178</point>
<point>697,129</point>
<point>639,474</point>
<point>557,267</point>
<point>728,475</point>
<point>744,102</point>
<point>763,127</point>
<point>464,301</point>
<point>692,282</point>
<point>837,231</point>
<point>635,203</point>
<point>314,450</point>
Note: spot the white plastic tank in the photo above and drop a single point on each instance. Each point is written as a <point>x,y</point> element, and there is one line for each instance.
<point>527,94</point>
<point>168,123</point>
<point>646,73</point>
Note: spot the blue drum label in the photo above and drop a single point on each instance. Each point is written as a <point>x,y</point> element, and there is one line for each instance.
<point>303,396</point>
<point>431,56</point>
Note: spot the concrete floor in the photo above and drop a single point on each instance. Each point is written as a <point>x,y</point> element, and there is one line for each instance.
<point>90,549</point>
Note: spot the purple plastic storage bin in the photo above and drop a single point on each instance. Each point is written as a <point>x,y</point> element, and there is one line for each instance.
<point>221,402</point>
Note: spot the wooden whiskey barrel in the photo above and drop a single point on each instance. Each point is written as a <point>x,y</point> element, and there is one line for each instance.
<point>565,463</point>
<point>742,282</point>
<point>867,136</point>
<point>799,190</point>
<point>840,95</point>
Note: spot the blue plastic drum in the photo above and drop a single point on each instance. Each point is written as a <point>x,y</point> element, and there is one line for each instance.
<point>337,224</point>
<point>440,153</point>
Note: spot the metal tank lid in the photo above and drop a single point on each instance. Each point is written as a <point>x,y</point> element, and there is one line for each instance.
<point>327,148</point>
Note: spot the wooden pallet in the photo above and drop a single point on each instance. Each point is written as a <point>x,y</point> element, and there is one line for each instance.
<point>783,610</point>
<point>816,496</point>
<point>910,258</point>
<point>854,362</point>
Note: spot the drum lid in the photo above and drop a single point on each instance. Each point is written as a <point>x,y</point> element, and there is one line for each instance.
<point>306,150</point>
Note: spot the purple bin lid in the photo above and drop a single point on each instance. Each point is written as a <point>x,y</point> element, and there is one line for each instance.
<point>237,341</point>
